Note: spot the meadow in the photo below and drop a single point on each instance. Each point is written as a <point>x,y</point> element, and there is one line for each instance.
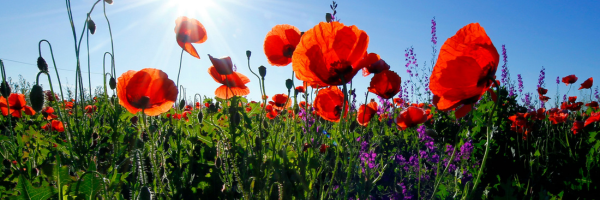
<point>459,128</point>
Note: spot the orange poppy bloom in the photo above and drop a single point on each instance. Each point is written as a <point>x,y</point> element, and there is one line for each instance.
<point>300,89</point>
<point>587,84</point>
<point>17,104</point>
<point>328,54</point>
<point>558,117</point>
<point>280,102</point>
<point>149,90</point>
<point>198,105</point>
<point>366,112</point>
<point>593,105</point>
<point>577,127</point>
<point>398,101</point>
<point>55,125</point>
<point>280,44</point>
<point>189,31</point>
<point>570,79</point>
<point>385,84</point>
<point>328,104</point>
<point>223,65</point>
<point>544,99</point>
<point>594,117</point>
<point>271,113</point>
<point>465,69</point>
<point>89,109</point>
<point>542,91</point>
<point>234,84</point>
<point>372,63</point>
<point>48,113</point>
<point>302,104</point>
<point>411,117</point>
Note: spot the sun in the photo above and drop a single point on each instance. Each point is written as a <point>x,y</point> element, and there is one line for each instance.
<point>192,7</point>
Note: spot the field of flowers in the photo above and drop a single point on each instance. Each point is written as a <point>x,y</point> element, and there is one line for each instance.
<point>469,133</point>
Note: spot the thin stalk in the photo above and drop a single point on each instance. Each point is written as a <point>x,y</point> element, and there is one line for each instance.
<point>178,73</point>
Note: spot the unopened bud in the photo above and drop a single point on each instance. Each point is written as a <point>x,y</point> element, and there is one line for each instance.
<point>181,104</point>
<point>91,26</point>
<point>5,89</point>
<point>248,53</point>
<point>109,1</point>
<point>262,70</point>
<point>328,17</point>
<point>289,84</point>
<point>42,65</point>
<point>200,117</point>
<point>37,98</point>
<point>112,83</point>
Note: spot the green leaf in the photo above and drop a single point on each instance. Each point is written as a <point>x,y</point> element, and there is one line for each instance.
<point>206,140</point>
<point>89,185</point>
<point>30,193</point>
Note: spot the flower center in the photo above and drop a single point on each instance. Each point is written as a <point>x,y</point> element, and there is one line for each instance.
<point>288,50</point>
<point>340,68</point>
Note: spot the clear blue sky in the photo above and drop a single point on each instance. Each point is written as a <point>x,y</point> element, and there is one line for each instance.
<point>561,36</point>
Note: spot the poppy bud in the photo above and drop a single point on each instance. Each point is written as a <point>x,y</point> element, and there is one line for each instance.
<point>235,118</point>
<point>112,83</point>
<point>134,120</point>
<point>328,17</point>
<point>37,98</point>
<point>289,84</point>
<point>109,1</point>
<point>258,143</point>
<point>262,70</point>
<point>248,53</point>
<point>91,26</point>
<point>200,117</point>
<point>42,65</point>
<point>5,89</point>
<point>181,104</point>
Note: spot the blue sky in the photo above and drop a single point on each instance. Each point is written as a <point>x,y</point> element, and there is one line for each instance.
<point>561,36</point>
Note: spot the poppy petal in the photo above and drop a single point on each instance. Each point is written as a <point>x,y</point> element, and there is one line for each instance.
<point>188,47</point>
<point>463,111</point>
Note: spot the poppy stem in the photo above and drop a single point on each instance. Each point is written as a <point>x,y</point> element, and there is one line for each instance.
<point>104,72</point>
<point>259,85</point>
<point>178,73</point>
<point>53,62</point>
<point>112,47</point>
<point>7,102</point>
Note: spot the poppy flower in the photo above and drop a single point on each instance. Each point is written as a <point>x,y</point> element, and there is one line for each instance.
<point>198,106</point>
<point>572,99</point>
<point>271,113</point>
<point>206,104</point>
<point>385,84</point>
<point>465,69</point>
<point>300,89</point>
<point>149,90</point>
<point>68,105</point>
<point>558,117</point>
<point>280,44</point>
<point>544,99</point>
<point>323,148</point>
<point>398,101</point>
<point>383,116</point>
<point>248,109</point>
<point>280,102</point>
<point>587,84</point>
<point>188,31</point>
<point>48,113</point>
<point>411,117</point>
<point>570,79</point>
<point>17,104</point>
<point>542,91</point>
<point>188,108</point>
<point>234,84</point>
<point>89,109</point>
<point>302,104</point>
<point>223,65</point>
<point>328,104</point>
<point>540,114</point>
<point>593,105</point>
<point>328,54</point>
<point>577,127</point>
<point>520,124</point>
<point>594,117</point>
<point>50,96</point>
<point>372,63</point>
<point>55,125</point>
<point>366,112</point>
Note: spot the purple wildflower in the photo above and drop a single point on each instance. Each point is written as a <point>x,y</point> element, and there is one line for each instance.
<point>466,150</point>
<point>433,31</point>
<point>520,79</point>
<point>542,77</point>
<point>504,77</point>
<point>558,80</point>
<point>411,60</point>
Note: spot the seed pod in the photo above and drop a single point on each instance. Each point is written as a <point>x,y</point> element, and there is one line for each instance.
<point>112,83</point>
<point>289,84</point>
<point>248,53</point>
<point>258,143</point>
<point>109,1</point>
<point>91,26</point>
<point>181,104</point>
<point>328,17</point>
<point>262,70</point>
<point>5,89</point>
<point>37,98</point>
<point>42,65</point>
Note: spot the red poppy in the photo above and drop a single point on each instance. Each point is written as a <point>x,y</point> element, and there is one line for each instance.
<point>398,101</point>
<point>280,102</point>
<point>465,69</point>
<point>328,104</point>
<point>223,65</point>
<point>372,63</point>
<point>206,104</point>
<point>540,114</point>
<point>271,113</point>
<point>89,109</point>
<point>300,89</point>
<point>328,54</point>
<point>17,104</point>
<point>587,84</point>
<point>48,113</point>
<point>280,44</point>
<point>55,125</point>
<point>198,105</point>
<point>577,127</point>
<point>544,99</point>
<point>520,124</point>
<point>49,96</point>
<point>188,108</point>
<point>69,105</point>
<point>188,31</point>
<point>366,112</point>
<point>323,148</point>
<point>558,117</point>
<point>149,90</point>
<point>233,84</point>
<point>248,109</point>
<point>385,84</point>
<point>411,117</point>
<point>383,116</point>
<point>594,117</point>
<point>302,104</point>
<point>572,99</point>
<point>542,91</point>
<point>593,105</point>
<point>570,79</point>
